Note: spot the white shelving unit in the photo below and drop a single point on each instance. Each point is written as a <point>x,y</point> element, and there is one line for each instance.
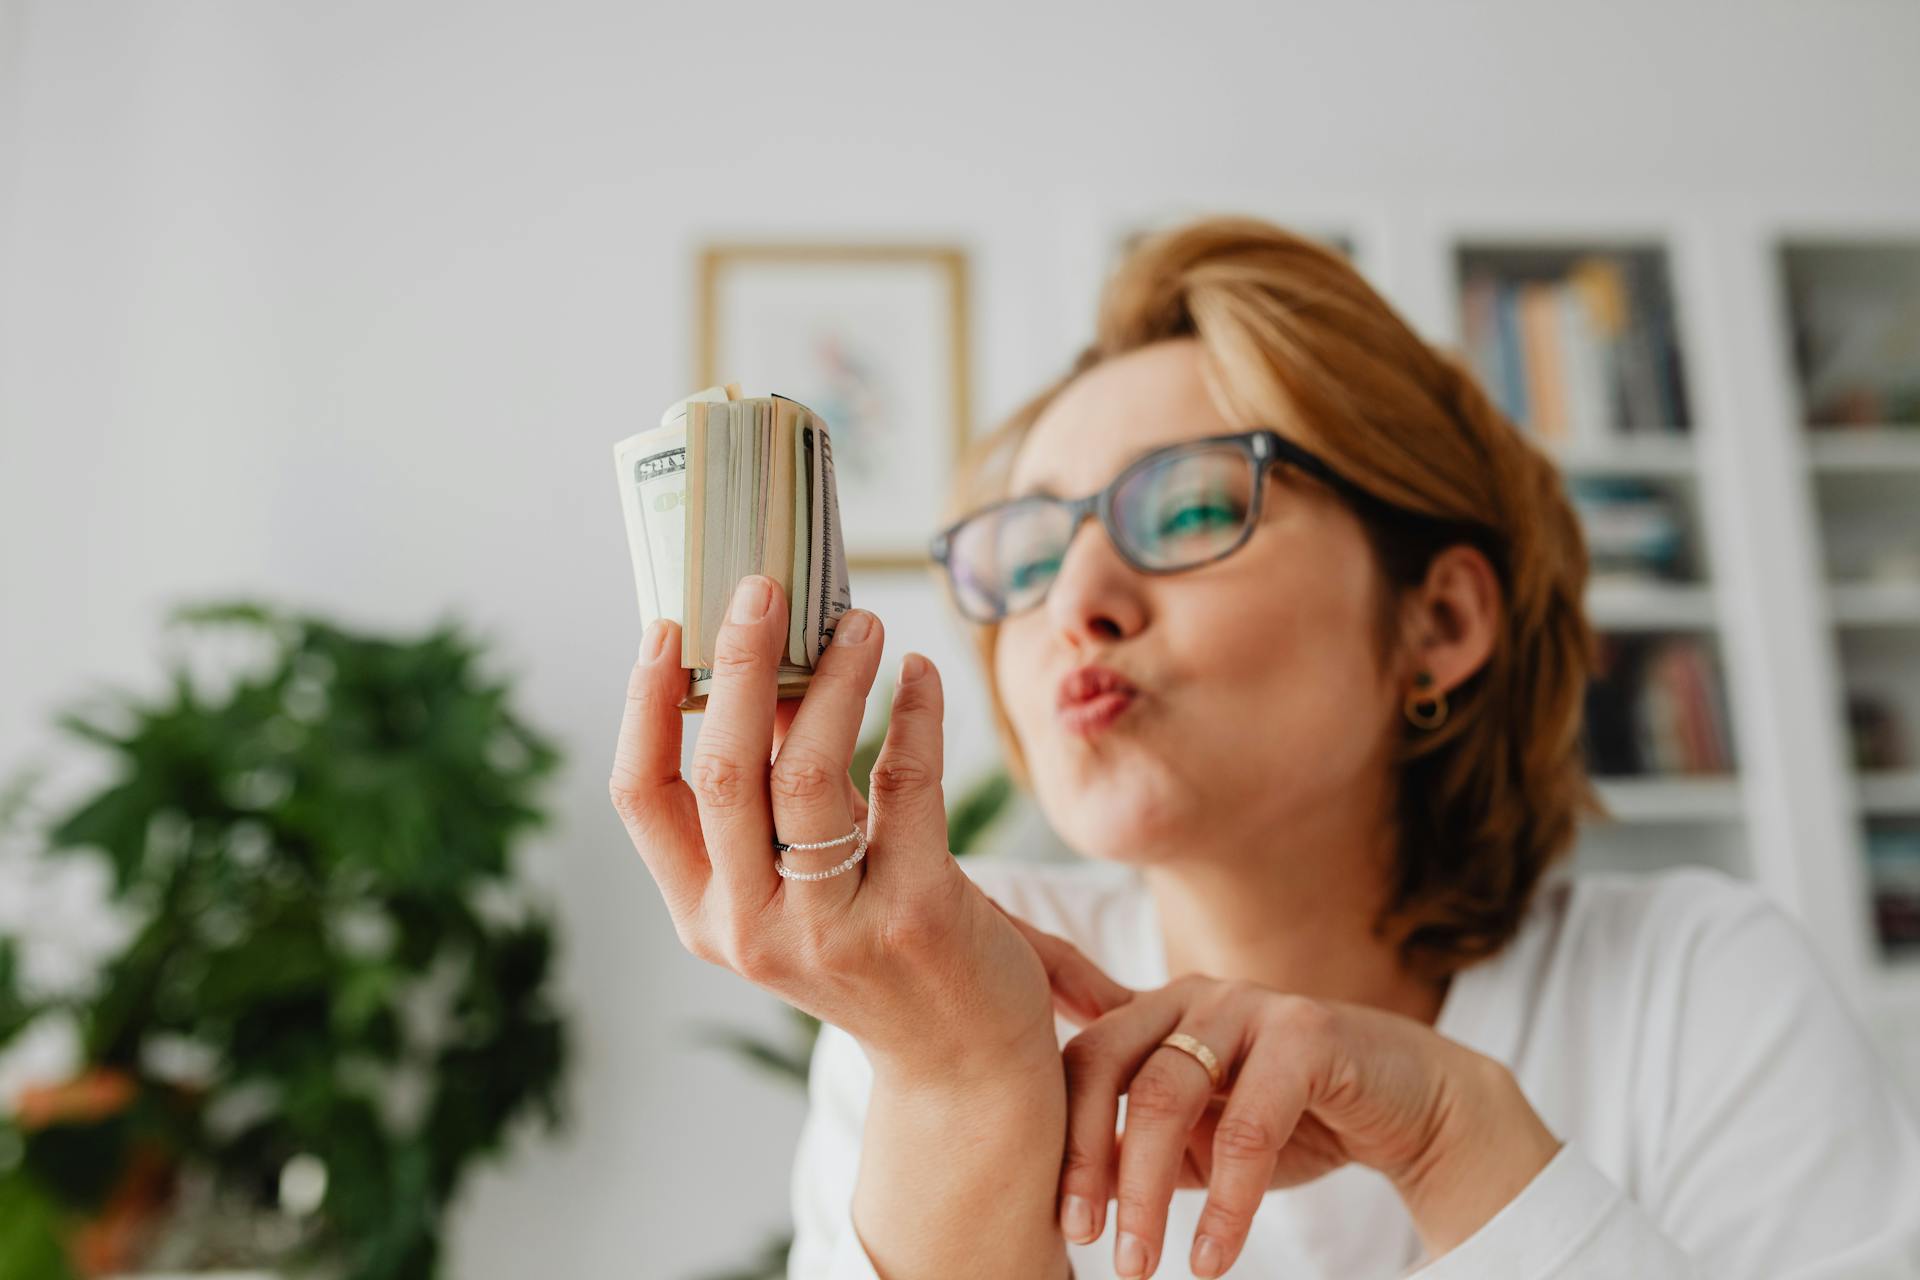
<point>1847,308</point>
<point>1673,800</point>
<point>1888,791</point>
<point>1758,490</point>
<point>1613,606</point>
<point>1660,819</point>
<point>1631,456</point>
<point>1879,451</point>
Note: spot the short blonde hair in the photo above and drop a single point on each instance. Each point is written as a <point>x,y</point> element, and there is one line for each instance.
<point>1291,332</point>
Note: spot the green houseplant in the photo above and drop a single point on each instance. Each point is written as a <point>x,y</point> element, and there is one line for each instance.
<point>969,818</point>
<point>334,998</point>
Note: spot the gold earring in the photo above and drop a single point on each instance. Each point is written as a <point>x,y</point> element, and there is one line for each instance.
<point>1425,711</point>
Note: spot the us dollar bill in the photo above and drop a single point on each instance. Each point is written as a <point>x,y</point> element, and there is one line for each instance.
<point>729,485</point>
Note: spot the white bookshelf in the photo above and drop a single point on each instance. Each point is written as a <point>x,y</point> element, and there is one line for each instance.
<point>1861,604</point>
<point>1847,307</point>
<point>1877,450</point>
<point>1632,456</point>
<point>1657,818</point>
<point>1888,791</point>
<point>1629,607</point>
<point>1673,800</point>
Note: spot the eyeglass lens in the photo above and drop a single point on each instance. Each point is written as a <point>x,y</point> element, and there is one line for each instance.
<point>1175,512</point>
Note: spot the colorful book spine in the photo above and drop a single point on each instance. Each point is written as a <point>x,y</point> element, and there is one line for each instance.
<point>1546,379</point>
<point>1579,356</point>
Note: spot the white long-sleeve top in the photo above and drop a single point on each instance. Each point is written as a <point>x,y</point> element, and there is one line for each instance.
<point>1723,1113</point>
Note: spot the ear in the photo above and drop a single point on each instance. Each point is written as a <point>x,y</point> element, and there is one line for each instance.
<point>1449,623</point>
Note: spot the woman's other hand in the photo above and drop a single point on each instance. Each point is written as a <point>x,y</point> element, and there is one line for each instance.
<point>1308,1086</point>
<point>902,951</point>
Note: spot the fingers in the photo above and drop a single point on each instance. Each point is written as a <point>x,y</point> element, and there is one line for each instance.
<point>655,805</point>
<point>1269,1095</point>
<point>1100,1063</point>
<point>783,714</point>
<point>1082,991</point>
<point>856,804</point>
<point>908,814</point>
<point>809,782</point>
<point>1164,1102</point>
<point>730,761</point>
<point>1269,1067</point>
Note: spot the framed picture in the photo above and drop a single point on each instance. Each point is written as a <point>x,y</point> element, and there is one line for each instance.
<point>1126,237</point>
<point>873,338</point>
<point>1098,227</point>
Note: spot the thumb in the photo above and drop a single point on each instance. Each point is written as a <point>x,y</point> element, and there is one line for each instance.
<point>1082,990</point>
<point>907,813</point>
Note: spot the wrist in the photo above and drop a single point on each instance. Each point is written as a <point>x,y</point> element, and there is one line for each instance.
<point>1488,1145</point>
<point>1023,1068</point>
<point>960,1166</point>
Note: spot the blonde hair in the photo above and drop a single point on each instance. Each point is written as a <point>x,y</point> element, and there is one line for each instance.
<point>1291,332</point>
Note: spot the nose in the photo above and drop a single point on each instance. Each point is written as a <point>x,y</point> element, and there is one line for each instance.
<point>1096,597</point>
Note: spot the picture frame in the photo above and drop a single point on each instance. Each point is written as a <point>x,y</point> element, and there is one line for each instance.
<point>875,339</point>
<point>1097,228</point>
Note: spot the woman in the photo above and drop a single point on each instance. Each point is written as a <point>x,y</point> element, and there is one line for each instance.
<point>1307,701</point>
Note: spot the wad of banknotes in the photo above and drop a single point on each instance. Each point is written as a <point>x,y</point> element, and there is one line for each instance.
<point>726,486</point>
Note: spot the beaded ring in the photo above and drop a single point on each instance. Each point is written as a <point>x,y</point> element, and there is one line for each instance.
<point>859,851</point>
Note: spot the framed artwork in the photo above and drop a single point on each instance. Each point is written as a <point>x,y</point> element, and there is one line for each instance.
<point>873,338</point>
<point>1126,236</point>
<point>1097,228</point>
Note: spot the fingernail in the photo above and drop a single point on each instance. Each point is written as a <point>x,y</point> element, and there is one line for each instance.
<point>656,641</point>
<point>1206,1257</point>
<point>750,599</point>
<point>853,627</point>
<point>1130,1259</point>
<point>912,667</point>
<point>1076,1219</point>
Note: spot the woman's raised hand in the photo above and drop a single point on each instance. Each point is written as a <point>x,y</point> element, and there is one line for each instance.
<point>1308,1086</point>
<point>902,951</point>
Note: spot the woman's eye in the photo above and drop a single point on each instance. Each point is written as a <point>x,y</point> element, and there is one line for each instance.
<point>1198,516</point>
<point>1028,572</point>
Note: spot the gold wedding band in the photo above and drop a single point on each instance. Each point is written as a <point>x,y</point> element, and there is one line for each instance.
<point>1200,1053</point>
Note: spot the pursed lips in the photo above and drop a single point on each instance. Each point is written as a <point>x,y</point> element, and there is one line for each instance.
<point>1092,697</point>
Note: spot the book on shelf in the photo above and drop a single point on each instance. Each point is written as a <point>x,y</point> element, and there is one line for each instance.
<point>1636,531</point>
<point>1878,732</point>
<point>1655,707</point>
<point>1579,354</point>
<point>1893,872</point>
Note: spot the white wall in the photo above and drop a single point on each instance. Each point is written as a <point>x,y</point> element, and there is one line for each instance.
<point>345,302</point>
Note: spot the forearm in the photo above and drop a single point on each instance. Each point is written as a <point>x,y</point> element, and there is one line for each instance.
<point>959,1175</point>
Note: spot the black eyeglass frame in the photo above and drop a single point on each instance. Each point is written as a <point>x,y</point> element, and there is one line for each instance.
<point>1262,447</point>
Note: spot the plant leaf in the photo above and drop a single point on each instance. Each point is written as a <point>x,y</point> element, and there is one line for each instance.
<point>974,812</point>
<point>782,1061</point>
<point>30,1233</point>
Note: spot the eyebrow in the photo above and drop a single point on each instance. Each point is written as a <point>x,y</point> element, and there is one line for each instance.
<point>1038,489</point>
<point>1042,489</point>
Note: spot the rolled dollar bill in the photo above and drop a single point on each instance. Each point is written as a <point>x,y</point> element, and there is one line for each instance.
<point>726,486</point>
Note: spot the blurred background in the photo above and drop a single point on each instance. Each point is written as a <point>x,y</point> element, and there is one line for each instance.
<point>322,319</point>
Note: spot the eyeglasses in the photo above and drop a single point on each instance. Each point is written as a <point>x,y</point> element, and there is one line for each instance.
<point>1178,507</point>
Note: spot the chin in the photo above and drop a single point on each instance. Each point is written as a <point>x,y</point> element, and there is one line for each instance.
<point>1114,817</point>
